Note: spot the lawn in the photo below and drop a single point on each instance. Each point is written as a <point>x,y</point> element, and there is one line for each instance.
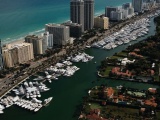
<point>110,111</point>
<point>156,77</point>
<point>158,115</point>
<point>106,72</point>
<point>122,53</point>
<point>95,106</point>
<point>115,57</point>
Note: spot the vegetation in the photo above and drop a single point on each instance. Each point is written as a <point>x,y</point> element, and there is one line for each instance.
<point>113,110</point>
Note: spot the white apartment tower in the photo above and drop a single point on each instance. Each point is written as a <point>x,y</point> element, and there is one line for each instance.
<point>60,33</point>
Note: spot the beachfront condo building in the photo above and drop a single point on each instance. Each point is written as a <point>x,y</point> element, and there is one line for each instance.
<point>47,41</point>
<point>15,54</point>
<point>88,14</point>
<point>101,22</point>
<point>127,5</point>
<point>137,5</point>
<point>75,29</point>
<point>131,11</point>
<point>124,14</point>
<point>116,15</point>
<point>109,9</point>
<point>82,12</point>
<point>37,43</point>
<point>77,12</point>
<point>61,33</point>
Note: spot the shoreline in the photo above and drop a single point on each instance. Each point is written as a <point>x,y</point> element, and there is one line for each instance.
<point>39,31</point>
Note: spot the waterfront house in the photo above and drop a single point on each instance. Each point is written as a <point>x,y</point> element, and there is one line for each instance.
<point>95,115</point>
<point>135,55</point>
<point>116,70</point>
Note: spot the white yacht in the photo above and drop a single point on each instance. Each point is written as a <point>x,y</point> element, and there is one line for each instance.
<point>49,80</point>
<point>39,78</point>
<point>46,101</point>
<point>38,108</point>
<point>1,111</point>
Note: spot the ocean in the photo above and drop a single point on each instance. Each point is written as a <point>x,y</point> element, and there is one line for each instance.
<point>19,18</point>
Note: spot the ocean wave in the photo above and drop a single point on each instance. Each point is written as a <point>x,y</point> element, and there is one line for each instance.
<point>36,32</point>
<point>9,40</point>
<point>99,13</point>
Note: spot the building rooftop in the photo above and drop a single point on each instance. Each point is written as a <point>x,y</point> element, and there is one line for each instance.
<point>56,25</point>
<point>71,23</point>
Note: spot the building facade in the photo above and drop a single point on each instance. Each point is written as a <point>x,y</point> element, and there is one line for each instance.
<point>101,22</point>
<point>37,43</point>
<point>131,11</point>
<point>77,12</point>
<point>137,5</point>
<point>75,29</point>
<point>116,15</point>
<point>60,33</point>
<point>124,13</point>
<point>127,5</point>
<point>109,9</point>
<point>88,14</point>
<point>17,54</point>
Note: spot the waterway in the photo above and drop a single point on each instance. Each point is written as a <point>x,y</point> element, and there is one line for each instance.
<point>68,92</point>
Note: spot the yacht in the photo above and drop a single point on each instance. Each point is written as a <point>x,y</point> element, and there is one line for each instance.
<point>47,101</point>
<point>35,100</point>
<point>49,80</point>
<point>88,46</point>
<point>38,108</point>
<point>39,78</point>
<point>1,111</point>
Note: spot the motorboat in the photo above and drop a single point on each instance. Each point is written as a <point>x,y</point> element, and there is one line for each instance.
<point>47,101</point>
<point>39,78</point>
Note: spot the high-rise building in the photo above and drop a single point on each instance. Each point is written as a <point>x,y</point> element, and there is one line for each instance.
<point>1,57</point>
<point>37,43</point>
<point>130,11</point>
<point>126,5</point>
<point>116,15</point>
<point>124,13</point>
<point>101,22</point>
<point>137,5</point>
<point>75,29</point>
<point>109,9</point>
<point>15,54</point>
<point>77,12</point>
<point>47,41</point>
<point>88,14</point>
<point>60,33</point>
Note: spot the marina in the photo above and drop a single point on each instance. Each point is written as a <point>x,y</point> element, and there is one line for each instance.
<point>127,34</point>
<point>28,94</point>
